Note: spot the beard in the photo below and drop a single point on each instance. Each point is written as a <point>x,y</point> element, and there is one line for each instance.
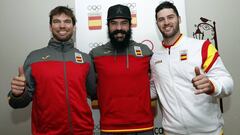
<point>172,34</point>
<point>120,45</point>
<point>62,39</point>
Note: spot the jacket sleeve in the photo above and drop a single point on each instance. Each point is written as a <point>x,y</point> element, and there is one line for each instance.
<point>216,71</point>
<point>153,90</point>
<point>91,81</point>
<point>26,97</point>
<point>221,79</point>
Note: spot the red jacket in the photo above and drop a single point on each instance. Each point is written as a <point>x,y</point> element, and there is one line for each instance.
<point>123,88</point>
<point>58,77</point>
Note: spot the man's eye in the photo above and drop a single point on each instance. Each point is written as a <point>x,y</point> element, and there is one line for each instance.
<point>160,20</point>
<point>68,21</point>
<point>113,23</point>
<point>56,21</point>
<point>124,23</point>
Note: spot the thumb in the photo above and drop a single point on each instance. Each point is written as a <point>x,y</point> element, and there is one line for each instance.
<point>20,71</point>
<point>197,71</point>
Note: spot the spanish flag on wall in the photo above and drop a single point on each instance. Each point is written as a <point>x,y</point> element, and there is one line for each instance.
<point>95,22</point>
<point>134,19</point>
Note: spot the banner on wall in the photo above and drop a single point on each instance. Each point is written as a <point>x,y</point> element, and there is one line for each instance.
<point>92,30</point>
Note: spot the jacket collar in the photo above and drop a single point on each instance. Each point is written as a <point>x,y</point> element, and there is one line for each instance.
<point>61,46</point>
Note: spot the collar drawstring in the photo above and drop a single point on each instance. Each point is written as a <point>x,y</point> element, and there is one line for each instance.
<point>115,55</point>
<point>127,61</point>
<point>127,56</point>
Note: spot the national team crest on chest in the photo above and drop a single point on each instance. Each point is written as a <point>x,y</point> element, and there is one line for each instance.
<point>138,51</point>
<point>183,55</point>
<point>78,58</point>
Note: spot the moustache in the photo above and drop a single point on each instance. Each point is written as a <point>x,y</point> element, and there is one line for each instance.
<point>119,31</point>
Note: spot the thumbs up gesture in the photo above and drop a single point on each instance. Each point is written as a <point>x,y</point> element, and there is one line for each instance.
<point>202,83</point>
<point>18,83</point>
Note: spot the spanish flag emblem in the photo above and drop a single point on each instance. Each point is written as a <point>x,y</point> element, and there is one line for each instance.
<point>183,55</point>
<point>138,51</point>
<point>95,22</point>
<point>78,58</point>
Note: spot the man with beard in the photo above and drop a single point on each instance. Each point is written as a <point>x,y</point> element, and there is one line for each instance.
<point>57,79</point>
<point>189,77</point>
<point>123,88</point>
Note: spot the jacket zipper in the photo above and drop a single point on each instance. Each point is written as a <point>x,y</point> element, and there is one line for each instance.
<point>173,88</point>
<point>67,91</point>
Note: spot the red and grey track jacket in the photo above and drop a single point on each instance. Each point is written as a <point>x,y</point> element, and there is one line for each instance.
<point>123,87</point>
<point>58,77</point>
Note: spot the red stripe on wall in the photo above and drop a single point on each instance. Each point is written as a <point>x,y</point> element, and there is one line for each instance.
<point>95,27</point>
<point>94,17</point>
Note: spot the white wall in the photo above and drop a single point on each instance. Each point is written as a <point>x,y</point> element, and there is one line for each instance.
<point>24,27</point>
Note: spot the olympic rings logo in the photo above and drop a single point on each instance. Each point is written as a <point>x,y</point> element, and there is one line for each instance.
<point>131,5</point>
<point>94,8</point>
<point>149,43</point>
<point>95,44</point>
<point>171,1</point>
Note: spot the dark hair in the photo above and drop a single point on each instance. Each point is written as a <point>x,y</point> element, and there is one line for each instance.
<point>62,10</point>
<point>163,5</point>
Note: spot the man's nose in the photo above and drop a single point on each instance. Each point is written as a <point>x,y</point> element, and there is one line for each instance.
<point>62,24</point>
<point>166,21</point>
<point>119,26</point>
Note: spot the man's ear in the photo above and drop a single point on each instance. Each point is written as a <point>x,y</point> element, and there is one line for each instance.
<point>50,27</point>
<point>179,19</point>
<point>74,28</point>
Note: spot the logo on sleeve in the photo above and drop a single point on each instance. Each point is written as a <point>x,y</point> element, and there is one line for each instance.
<point>138,51</point>
<point>78,58</point>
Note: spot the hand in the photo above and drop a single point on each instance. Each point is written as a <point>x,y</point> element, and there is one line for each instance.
<point>18,83</point>
<point>202,83</point>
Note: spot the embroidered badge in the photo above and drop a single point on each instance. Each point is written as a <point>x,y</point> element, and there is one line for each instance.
<point>45,57</point>
<point>138,51</point>
<point>183,55</point>
<point>158,62</point>
<point>78,58</point>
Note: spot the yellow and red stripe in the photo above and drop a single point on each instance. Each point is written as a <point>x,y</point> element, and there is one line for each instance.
<point>127,130</point>
<point>209,55</point>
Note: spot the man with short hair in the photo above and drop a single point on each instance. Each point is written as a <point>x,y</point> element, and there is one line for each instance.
<point>189,76</point>
<point>123,88</point>
<point>57,79</point>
